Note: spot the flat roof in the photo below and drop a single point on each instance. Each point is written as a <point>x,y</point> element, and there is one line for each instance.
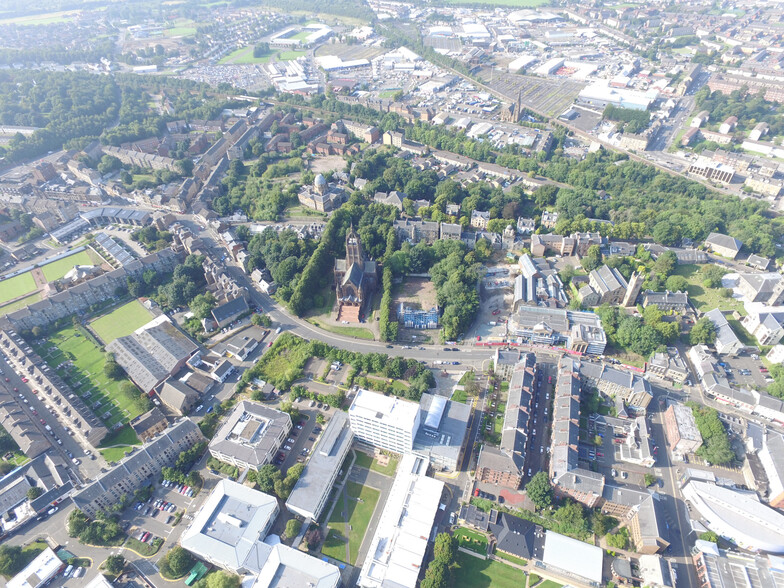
<point>447,439</point>
<point>229,526</point>
<point>291,568</point>
<point>390,410</point>
<point>399,544</point>
<point>573,556</point>
<point>319,473</point>
<point>39,571</point>
<point>250,431</point>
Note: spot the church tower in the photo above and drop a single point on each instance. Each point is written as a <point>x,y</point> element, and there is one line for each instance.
<point>354,253</point>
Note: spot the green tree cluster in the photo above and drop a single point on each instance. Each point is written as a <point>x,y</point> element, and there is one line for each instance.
<point>439,572</point>
<point>716,448</point>
<point>176,563</point>
<point>539,490</point>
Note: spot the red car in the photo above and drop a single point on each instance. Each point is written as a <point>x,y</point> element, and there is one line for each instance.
<point>16,389</point>
<point>496,311</point>
<point>43,422</point>
<point>24,380</point>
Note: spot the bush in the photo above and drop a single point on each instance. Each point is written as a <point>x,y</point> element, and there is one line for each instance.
<point>292,528</point>
<point>114,564</point>
<point>176,563</point>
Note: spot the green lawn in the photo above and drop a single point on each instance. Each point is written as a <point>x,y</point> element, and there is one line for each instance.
<point>21,303</point>
<point>57,269</point>
<point>358,514</point>
<point>358,332</point>
<point>118,443</point>
<point>289,55</point>
<point>16,286</point>
<point>517,560</point>
<point>471,540</point>
<point>365,461</point>
<point>498,423</point>
<point>744,336</point>
<point>40,19</point>
<point>510,3</point>
<point>472,572</point>
<point>86,376</point>
<point>244,55</point>
<point>145,549</point>
<point>705,299</point>
<point>122,321</point>
<point>550,584</point>
<point>180,32</point>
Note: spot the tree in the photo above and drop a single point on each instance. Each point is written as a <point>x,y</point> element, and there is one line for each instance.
<point>292,528</point>
<point>619,540</point>
<point>266,478</point>
<point>539,490</point>
<point>202,305</point>
<point>593,258</point>
<point>677,284</point>
<point>703,332</point>
<point>219,579</point>
<point>114,564</point>
<point>34,493</point>
<point>77,522</point>
<point>712,275</point>
<point>444,548</point>
<point>11,560</point>
<point>436,576</point>
<point>112,369</point>
<point>261,320</point>
<point>177,562</point>
<point>709,536</point>
<point>602,523</point>
<point>313,538</point>
<point>650,479</point>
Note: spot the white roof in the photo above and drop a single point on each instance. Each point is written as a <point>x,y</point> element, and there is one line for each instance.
<point>738,515</point>
<point>387,409</point>
<point>99,581</point>
<point>39,571</point>
<point>398,547</point>
<point>573,556</point>
<point>228,527</point>
<point>290,568</point>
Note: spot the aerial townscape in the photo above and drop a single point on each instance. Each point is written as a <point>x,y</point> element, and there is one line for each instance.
<point>392,294</point>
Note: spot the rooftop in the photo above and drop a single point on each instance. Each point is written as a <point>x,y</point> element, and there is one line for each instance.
<point>389,410</point>
<point>250,431</point>
<point>573,556</point>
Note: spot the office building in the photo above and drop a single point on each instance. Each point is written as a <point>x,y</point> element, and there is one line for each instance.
<point>311,492</point>
<point>398,547</point>
<point>384,422</point>
<point>442,431</point>
<point>574,330</point>
<point>251,435</point>
<point>140,468</point>
<point>38,572</point>
<point>573,558</point>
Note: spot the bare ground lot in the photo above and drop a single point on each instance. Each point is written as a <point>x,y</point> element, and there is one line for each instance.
<point>327,163</point>
<point>417,292</point>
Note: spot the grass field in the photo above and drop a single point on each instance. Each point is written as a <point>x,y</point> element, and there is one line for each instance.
<point>21,303</point>
<point>363,460</point>
<point>40,19</point>
<point>517,560</point>
<point>550,584</point>
<point>16,286</point>
<point>86,376</point>
<point>122,321</point>
<point>358,518</point>
<point>510,3</point>
<point>301,36</point>
<point>472,572</point>
<point>705,299</point>
<point>289,55</point>
<point>118,443</point>
<point>57,269</point>
<point>244,56</point>
<point>358,332</point>
<point>180,32</point>
<point>471,540</point>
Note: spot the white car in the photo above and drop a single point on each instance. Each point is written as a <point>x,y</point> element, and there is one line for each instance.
<point>287,447</point>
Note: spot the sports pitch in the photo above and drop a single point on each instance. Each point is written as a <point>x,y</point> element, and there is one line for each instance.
<point>16,287</point>
<point>122,321</point>
<point>57,269</point>
<point>86,377</point>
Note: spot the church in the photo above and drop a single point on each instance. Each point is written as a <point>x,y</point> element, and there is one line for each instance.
<point>355,279</point>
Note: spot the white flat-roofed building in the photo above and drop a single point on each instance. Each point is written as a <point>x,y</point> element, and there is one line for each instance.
<point>399,544</point>
<point>311,492</point>
<point>573,558</point>
<point>385,422</point>
<point>289,568</point>
<point>738,516</point>
<point>38,572</point>
<point>251,435</point>
<point>99,581</point>
<point>229,529</point>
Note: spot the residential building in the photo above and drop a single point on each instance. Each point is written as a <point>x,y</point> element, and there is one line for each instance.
<point>549,219</point>
<point>140,468</point>
<point>526,226</point>
<point>723,245</point>
<point>766,288</point>
<point>639,510</point>
<point>668,365</point>
<point>566,475</point>
<point>152,352</point>
<point>680,429</point>
<point>479,219</point>
<point>766,327</point>
<point>515,536</point>
<point>414,231</point>
<point>771,456</point>
<point>384,422</point>
<point>727,342</point>
<point>503,466</point>
<point>225,313</point>
<point>666,301</point>
<point>442,431</point>
<point>737,515</point>
<point>149,424</point>
<point>609,284</point>
<point>633,389</point>
<point>312,490</point>
<point>398,547</point>
<point>251,435</point>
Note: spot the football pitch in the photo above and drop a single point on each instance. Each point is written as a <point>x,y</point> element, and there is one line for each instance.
<point>122,321</point>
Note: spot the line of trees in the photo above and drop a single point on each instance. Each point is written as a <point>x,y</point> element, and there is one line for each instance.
<point>716,448</point>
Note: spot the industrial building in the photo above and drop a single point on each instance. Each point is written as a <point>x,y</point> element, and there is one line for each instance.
<point>574,558</point>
